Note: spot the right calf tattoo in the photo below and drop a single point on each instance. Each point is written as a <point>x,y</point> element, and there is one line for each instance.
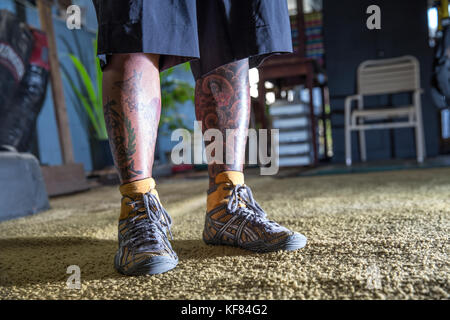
<point>123,140</point>
<point>223,103</point>
<point>132,116</point>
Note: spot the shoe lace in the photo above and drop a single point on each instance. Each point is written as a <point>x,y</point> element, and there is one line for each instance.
<point>242,194</point>
<point>150,224</point>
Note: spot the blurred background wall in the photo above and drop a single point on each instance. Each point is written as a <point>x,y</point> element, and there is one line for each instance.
<point>46,145</point>
<point>404,31</point>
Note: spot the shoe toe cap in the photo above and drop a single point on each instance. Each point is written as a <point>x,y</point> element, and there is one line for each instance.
<point>295,241</point>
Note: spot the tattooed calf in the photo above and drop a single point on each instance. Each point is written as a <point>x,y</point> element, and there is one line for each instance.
<point>222,101</point>
<point>131,87</point>
<point>122,139</point>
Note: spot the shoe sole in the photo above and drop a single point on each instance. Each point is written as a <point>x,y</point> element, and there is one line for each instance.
<point>293,242</point>
<point>154,265</point>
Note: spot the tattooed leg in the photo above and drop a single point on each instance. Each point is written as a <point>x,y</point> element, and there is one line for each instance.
<point>132,107</point>
<point>222,101</point>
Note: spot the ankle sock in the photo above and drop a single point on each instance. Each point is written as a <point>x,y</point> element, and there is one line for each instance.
<point>134,191</point>
<point>216,196</point>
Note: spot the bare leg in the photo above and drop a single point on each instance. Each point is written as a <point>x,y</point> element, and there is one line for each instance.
<point>222,101</point>
<point>132,107</point>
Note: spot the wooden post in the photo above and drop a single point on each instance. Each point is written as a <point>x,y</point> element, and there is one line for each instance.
<point>301,29</point>
<point>310,86</point>
<point>65,140</point>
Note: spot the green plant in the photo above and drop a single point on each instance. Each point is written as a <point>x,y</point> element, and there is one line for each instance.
<point>174,91</point>
<point>89,94</point>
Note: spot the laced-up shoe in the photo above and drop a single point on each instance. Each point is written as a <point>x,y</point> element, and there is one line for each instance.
<point>235,218</point>
<point>144,227</point>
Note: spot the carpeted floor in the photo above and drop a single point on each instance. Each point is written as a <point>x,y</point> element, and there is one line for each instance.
<point>371,236</point>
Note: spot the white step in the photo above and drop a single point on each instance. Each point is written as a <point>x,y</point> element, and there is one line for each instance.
<point>290,109</point>
<point>294,161</point>
<point>294,136</point>
<point>292,149</point>
<point>290,122</point>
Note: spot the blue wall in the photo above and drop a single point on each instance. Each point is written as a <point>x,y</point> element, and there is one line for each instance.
<point>348,44</point>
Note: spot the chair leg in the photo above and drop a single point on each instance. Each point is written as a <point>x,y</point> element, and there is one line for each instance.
<point>420,138</point>
<point>362,144</point>
<point>420,144</point>
<point>348,146</point>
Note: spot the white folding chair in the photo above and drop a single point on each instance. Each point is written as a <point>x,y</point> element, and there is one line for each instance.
<point>378,77</point>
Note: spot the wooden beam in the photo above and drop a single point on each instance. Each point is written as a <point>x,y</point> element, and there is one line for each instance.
<point>301,29</point>
<point>65,140</point>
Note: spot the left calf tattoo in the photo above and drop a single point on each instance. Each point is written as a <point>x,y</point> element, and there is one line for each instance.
<point>222,101</point>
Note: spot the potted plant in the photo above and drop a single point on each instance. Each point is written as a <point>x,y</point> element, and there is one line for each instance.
<point>88,103</point>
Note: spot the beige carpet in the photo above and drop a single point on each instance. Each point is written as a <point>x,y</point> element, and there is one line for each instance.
<point>371,236</point>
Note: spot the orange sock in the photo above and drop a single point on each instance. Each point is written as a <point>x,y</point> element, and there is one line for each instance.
<point>224,179</point>
<point>134,191</point>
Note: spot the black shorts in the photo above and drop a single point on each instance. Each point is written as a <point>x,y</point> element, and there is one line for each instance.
<point>209,33</point>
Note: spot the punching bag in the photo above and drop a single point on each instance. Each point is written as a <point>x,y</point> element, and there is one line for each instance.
<point>18,124</point>
<point>440,82</point>
<point>16,42</point>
